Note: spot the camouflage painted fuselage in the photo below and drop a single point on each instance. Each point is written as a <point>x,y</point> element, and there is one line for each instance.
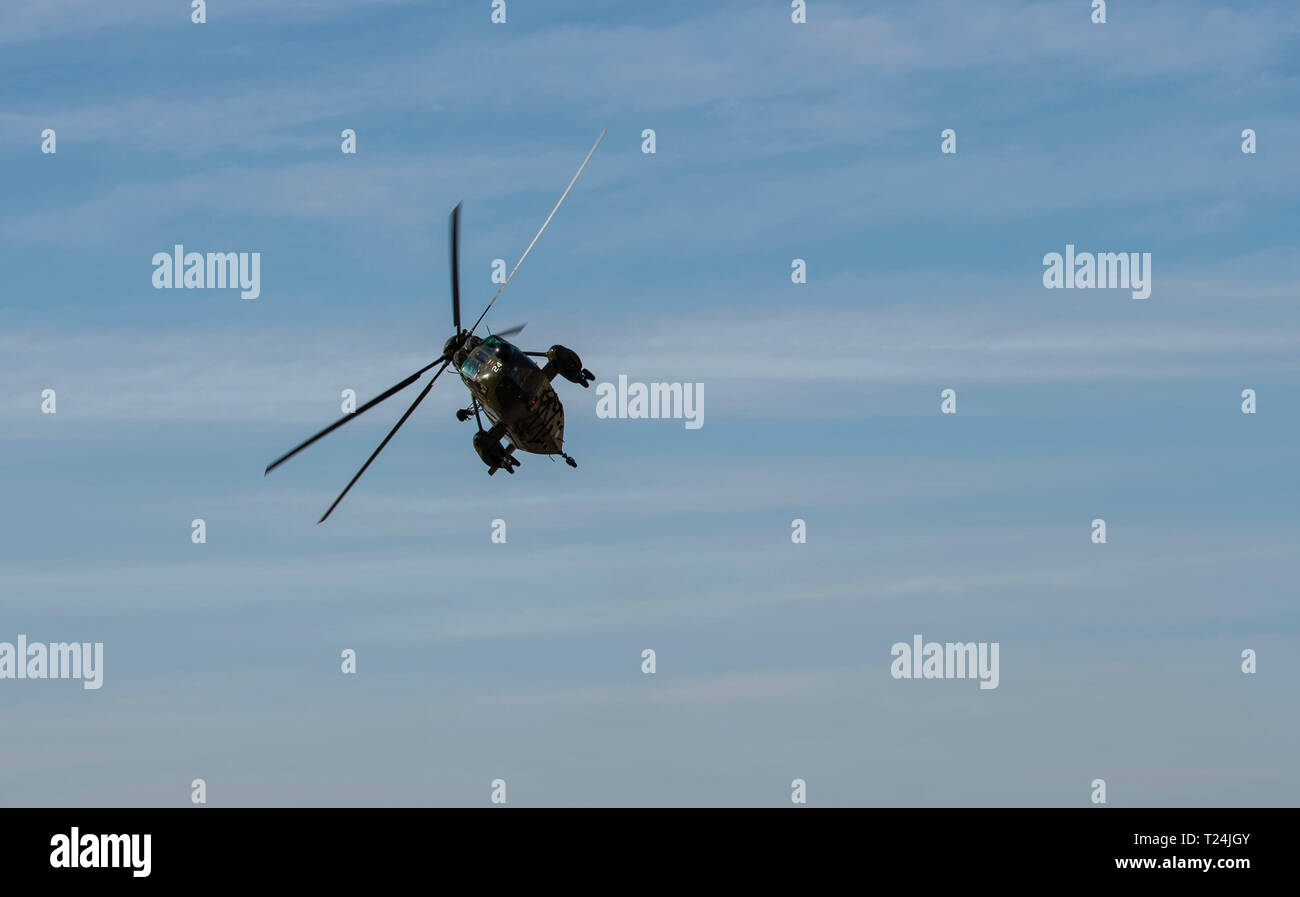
<point>516,394</point>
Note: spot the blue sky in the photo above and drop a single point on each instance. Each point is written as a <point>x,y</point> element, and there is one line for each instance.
<point>774,141</point>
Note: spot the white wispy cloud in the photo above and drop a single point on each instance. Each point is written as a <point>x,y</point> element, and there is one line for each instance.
<point>294,374</point>
<point>63,20</point>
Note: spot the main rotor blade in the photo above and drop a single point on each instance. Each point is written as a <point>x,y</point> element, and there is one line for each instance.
<point>511,331</point>
<point>539,233</point>
<point>391,391</point>
<point>418,399</point>
<point>455,267</point>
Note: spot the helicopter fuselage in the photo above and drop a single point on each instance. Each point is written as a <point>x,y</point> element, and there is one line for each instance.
<point>516,395</point>
<point>505,383</point>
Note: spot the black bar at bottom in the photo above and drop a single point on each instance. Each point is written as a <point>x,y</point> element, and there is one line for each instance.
<point>372,846</point>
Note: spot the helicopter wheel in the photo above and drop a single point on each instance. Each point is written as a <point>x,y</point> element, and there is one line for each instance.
<point>462,414</point>
<point>569,461</point>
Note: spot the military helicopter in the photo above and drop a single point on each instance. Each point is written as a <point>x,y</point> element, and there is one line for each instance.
<point>504,382</point>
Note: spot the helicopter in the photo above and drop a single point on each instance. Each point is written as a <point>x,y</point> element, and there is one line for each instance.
<point>504,382</point>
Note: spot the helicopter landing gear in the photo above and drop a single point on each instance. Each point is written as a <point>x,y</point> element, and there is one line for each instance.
<point>464,414</point>
<point>494,454</point>
<point>569,461</point>
<point>507,462</point>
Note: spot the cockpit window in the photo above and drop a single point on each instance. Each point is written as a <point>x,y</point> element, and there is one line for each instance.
<point>495,354</point>
<point>470,366</point>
